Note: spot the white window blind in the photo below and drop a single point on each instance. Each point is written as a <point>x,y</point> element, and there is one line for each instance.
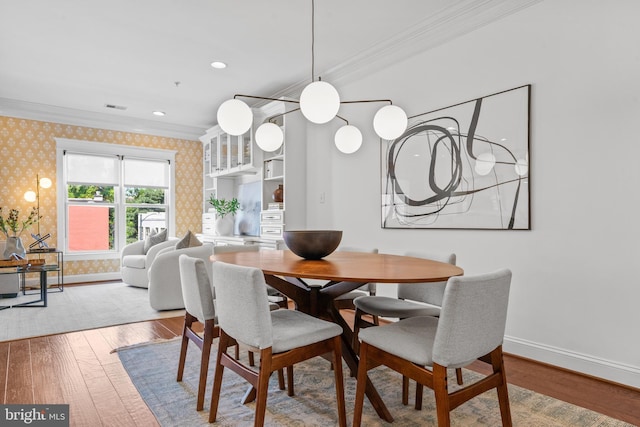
<point>90,169</point>
<point>146,173</point>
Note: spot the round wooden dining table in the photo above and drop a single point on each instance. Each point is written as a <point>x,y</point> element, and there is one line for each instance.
<point>343,272</point>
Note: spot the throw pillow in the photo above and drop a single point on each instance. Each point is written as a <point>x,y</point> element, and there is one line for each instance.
<point>154,239</point>
<point>188,241</point>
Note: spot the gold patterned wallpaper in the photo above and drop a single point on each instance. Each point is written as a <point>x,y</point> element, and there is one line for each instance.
<point>28,147</point>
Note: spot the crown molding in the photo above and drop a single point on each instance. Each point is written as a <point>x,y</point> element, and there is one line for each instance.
<point>70,116</point>
<point>455,20</point>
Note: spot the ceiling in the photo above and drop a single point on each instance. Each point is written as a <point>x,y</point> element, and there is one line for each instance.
<point>65,60</point>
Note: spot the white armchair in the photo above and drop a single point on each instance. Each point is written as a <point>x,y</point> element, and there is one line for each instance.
<point>135,264</point>
<point>165,291</point>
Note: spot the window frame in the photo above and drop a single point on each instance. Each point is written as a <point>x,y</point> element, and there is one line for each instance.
<point>107,149</point>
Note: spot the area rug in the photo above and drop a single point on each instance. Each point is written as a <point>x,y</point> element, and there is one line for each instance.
<point>152,368</point>
<point>78,308</point>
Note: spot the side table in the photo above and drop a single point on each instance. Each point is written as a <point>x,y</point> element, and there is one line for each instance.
<point>21,271</point>
<point>42,253</point>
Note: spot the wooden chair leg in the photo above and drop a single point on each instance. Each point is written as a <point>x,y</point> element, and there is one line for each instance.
<point>405,390</point>
<point>290,380</point>
<point>281,379</point>
<point>459,376</point>
<point>338,376</point>
<point>497,362</point>
<point>360,386</point>
<point>356,329</point>
<point>441,393</point>
<point>209,333</point>
<point>419,390</point>
<point>217,377</point>
<point>263,386</point>
<point>252,361</point>
<point>188,321</point>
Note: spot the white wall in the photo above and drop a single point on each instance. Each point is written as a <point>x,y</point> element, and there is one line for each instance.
<point>575,293</point>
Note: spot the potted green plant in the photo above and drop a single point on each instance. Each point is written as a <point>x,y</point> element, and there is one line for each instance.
<point>225,210</point>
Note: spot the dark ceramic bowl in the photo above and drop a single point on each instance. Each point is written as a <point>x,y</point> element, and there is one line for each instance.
<point>312,244</point>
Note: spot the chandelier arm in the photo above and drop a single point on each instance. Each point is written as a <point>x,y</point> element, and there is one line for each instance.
<point>272,119</point>
<point>343,119</point>
<point>265,98</point>
<point>367,100</point>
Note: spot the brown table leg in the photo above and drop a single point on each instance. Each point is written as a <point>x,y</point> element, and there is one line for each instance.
<point>310,300</point>
<point>351,358</point>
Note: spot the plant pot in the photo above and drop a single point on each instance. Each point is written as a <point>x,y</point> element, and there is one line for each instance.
<point>14,245</point>
<point>224,226</point>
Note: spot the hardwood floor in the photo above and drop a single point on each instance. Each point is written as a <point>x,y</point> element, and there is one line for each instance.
<point>79,368</point>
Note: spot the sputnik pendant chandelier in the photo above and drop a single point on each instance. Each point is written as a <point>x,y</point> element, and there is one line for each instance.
<point>319,103</point>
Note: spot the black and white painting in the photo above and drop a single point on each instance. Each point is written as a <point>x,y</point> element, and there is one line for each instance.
<point>464,166</point>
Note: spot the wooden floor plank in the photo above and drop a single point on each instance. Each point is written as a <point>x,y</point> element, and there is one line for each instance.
<point>110,408</point>
<point>19,388</point>
<point>82,410</point>
<point>133,402</point>
<point>47,384</point>
<point>4,360</point>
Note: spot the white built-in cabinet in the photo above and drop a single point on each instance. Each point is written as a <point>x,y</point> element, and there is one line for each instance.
<point>230,161</point>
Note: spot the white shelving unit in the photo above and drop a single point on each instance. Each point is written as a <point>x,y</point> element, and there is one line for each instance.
<point>229,162</point>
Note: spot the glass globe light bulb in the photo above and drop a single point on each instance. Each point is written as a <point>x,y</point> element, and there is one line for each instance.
<point>30,196</point>
<point>348,139</point>
<point>235,117</point>
<point>45,182</point>
<point>269,137</point>
<point>390,122</point>
<point>319,102</point>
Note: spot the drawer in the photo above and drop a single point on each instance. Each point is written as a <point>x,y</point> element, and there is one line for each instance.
<point>272,217</point>
<point>208,228</point>
<point>208,217</point>
<point>271,231</point>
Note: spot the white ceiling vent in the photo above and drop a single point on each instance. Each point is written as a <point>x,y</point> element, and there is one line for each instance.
<point>115,107</point>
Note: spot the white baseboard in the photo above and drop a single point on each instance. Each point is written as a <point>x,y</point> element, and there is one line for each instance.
<point>601,368</point>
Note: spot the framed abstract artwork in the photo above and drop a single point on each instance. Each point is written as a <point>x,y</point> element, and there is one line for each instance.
<point>461,167</point>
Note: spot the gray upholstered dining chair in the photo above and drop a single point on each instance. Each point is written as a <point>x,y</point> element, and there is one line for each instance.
<point>282,337</point>
<point>199,307</point>
<point>471,325</point>
<point>414,299</point>
<point>199,303</point>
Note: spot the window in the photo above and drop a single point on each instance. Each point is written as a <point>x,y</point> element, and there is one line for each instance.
<point>111,195</point>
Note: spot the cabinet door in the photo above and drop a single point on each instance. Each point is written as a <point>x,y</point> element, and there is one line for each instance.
<point>235,155</point>
<point>215,154</point>
<point>207,158</point>
<point>224,141</point>
<point>247,149</point>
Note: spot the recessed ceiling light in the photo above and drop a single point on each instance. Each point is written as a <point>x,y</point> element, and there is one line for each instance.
<point>159,113</point>
<point>218,64</point>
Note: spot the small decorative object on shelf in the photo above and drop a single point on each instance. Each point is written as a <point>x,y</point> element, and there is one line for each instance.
<point>278,194</point>
<point>275,206</point>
